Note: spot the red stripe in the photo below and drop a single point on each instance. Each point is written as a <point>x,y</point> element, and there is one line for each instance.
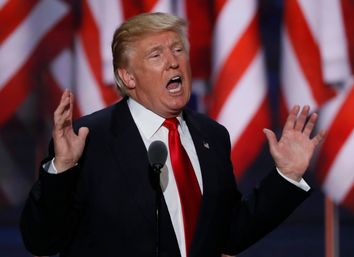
<point>283,108</point>
<point>235,66</point>
<point>348,17</point>
<point>348,201</point>
<point>148,5</point>
<point>131,8</point>
<point>219,5</point>
<point>12,14</point>
<point>200,36</point>
<point>15,92</point>
<point>339,131</point>
<point>307,51</point>
<point>58,38</point>
<point>89,34</point>
<point>18,87</point>
<point>243,153</point>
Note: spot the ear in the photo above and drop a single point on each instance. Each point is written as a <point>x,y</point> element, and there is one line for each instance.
<point>126,77</point>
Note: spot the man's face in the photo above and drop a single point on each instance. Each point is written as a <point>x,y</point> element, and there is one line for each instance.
<point>158,74</point>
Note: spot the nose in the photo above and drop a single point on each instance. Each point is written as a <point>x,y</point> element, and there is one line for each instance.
<point>171,60</point>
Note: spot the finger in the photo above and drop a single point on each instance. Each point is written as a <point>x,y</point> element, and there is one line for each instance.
<point>310,124</point>
<point>63,104</point>
<point>272,139</point>
<point>300,121</point>
<point>83,132</point>
<point>71,106</point>
<point>63,113</point>
<point>319,137</point>
<point>290,121</point>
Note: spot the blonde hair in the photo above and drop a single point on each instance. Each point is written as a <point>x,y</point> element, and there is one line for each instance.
<point>136,27</point>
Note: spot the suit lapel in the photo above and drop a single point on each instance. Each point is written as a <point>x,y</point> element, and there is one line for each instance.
<point>130,156</point>
<point>205,152</point>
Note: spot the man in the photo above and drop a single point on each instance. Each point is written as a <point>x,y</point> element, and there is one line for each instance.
<point>100,200</point>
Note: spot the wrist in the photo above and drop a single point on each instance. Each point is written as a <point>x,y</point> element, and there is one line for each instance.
<point>61,165</point>
<point>292,176</point>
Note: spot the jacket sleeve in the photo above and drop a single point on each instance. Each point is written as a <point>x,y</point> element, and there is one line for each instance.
<point>51,212</point>
<point>262,211</point>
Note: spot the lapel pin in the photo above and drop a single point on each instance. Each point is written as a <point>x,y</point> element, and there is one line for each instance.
<point>206,144</point>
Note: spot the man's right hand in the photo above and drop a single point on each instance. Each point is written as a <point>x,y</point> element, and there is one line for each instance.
<point>68,146</point>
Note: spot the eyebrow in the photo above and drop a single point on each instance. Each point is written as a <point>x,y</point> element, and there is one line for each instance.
<point>153,49</point>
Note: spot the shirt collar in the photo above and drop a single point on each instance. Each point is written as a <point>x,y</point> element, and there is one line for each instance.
<point>147,121</point>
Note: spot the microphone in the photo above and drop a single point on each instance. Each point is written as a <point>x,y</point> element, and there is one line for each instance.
<point>157,154</point>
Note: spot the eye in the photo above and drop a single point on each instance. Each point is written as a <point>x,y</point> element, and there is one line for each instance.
<point>155,55</point>
<point>178,49</point>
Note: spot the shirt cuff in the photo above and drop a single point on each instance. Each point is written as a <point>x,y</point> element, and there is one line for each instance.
<point>50,167</point>
<point>302,184</point>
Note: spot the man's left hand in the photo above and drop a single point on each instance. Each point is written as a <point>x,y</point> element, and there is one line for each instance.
<point>293,152</point>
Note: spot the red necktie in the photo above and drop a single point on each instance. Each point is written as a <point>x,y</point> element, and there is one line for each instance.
<point>187,183</point>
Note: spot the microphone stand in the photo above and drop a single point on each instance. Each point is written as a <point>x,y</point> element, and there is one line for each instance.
<point>157,155</point>
<point>156,168</point>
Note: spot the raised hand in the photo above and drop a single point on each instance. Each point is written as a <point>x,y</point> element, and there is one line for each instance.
<point>68,146</point>
<point>293,152</point>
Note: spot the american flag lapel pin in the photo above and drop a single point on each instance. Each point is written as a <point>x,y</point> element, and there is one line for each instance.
<point>206,145</point>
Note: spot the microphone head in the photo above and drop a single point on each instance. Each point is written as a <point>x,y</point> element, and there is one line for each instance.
<point>157,154</point>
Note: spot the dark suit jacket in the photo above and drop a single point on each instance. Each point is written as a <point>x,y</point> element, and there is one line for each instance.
<point>105,206</point>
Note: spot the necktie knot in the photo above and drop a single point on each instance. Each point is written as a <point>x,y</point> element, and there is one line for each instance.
<point>171,124</point>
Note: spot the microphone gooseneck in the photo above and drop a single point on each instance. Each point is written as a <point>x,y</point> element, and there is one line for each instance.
<point>157,155</point>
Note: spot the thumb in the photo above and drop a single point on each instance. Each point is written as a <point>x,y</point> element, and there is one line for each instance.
<point>272,139</point>
<point>83,132</point>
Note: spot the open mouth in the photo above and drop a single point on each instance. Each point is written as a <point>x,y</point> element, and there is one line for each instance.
<point>174,85</point>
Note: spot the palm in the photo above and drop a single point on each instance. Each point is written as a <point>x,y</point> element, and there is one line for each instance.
<point>293,152</point>
<point>68,146</point>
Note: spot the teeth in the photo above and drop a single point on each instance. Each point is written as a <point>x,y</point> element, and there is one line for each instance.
<point>177,84</point>
<point>175,78</point>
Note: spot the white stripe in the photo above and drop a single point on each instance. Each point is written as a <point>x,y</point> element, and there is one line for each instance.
<point>245,99</point>
<point>326,24</point>
<point>2,3</point>
<point>62,69</point>
<point>88,94</point>
<point>330,109</point>
<point>340,178</point>
<point>181,9</point>
<point>230,26</point>
<point>296,89</point>
<point>312,10</point>
<point>333,43</point>
<point>199,88</point>
<point>18,47</point>
<point>162,6</point>
<point>108,16</point>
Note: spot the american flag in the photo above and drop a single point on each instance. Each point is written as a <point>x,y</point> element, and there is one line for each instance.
<point>317,69</point>
<point>48,46</point>
<point>30,36</point>
<point>239,97</point>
